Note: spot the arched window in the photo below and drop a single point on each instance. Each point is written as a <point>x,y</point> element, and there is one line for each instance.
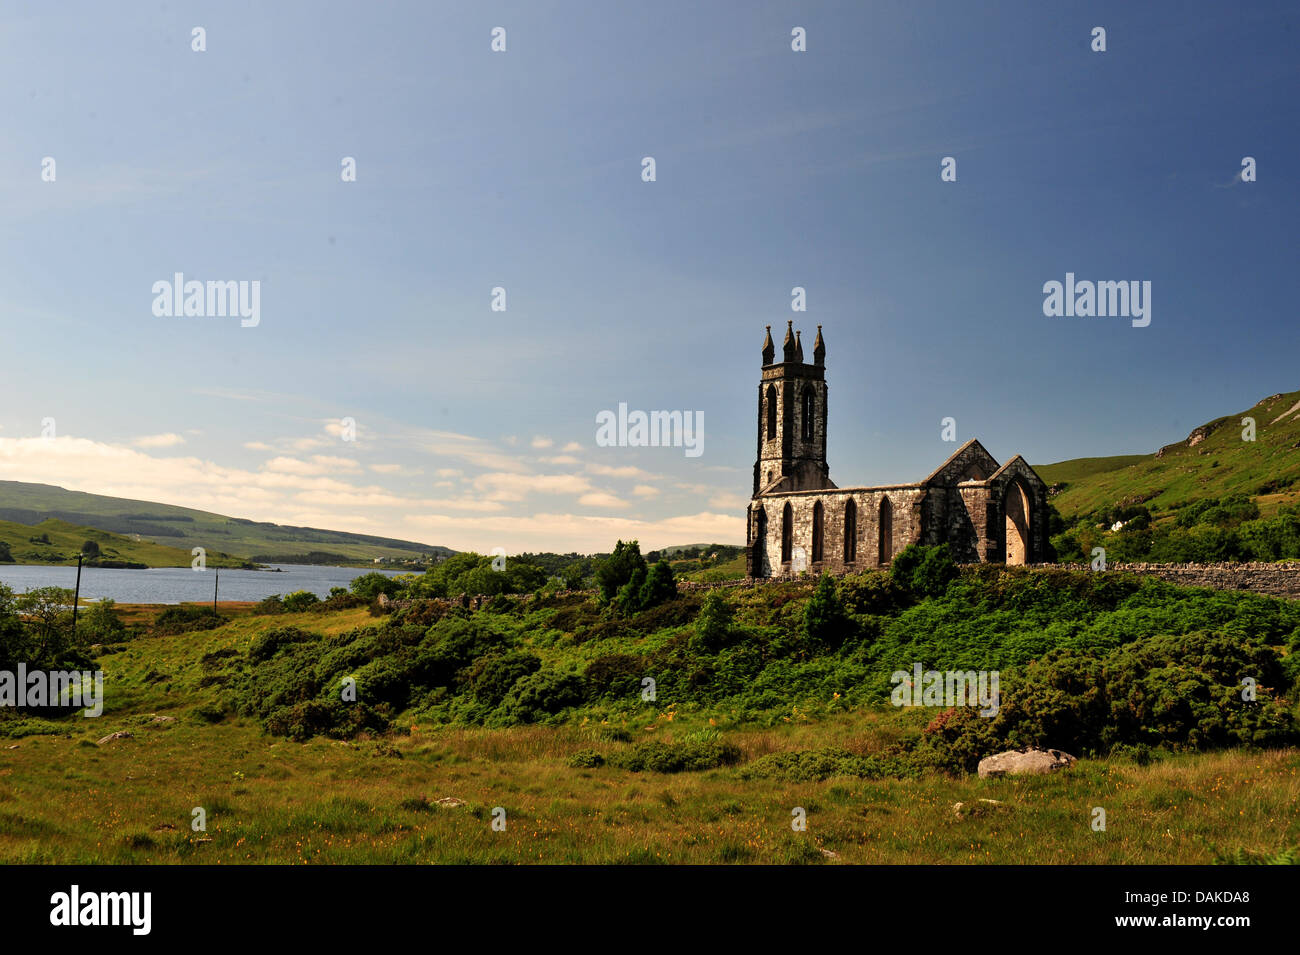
<point>787,531</point>
<point>850,532</point>
<point>818,513</point>
<point>806,414</point>
<point>760,541</point>
<point>771,412</point>
<point>886,531</point>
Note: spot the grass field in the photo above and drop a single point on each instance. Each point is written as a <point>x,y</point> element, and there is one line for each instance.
<point>65,798</point>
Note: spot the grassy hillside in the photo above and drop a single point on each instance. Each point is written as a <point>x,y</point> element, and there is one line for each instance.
<point>1213,461</point>
<point>183,528</point>
<point>54,541</point>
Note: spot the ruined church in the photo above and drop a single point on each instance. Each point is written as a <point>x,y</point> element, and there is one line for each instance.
<point>799,520</point>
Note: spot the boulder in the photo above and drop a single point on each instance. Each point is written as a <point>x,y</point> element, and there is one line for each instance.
<point>1019,762</point>
<point>122,734</point>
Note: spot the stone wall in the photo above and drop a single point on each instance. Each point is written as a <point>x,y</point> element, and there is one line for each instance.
<point>1277,580</point>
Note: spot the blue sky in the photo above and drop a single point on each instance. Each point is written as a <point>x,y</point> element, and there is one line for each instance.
<point>522,169</point>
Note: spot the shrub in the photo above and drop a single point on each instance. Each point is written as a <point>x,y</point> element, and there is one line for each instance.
<point>803,766</point>
<point>689,755</point>
<point>269,605</point>
<point>824,620</point>
<point>713,626</point>
<point>186,619</point>
<point>369,586</point>
<point>267,645</point>
<point>585,759</point>
<point>923,571</point>
<point>491,677</point>
<point>615,676</point>
<point>333,718</point>
<point>300,600</point>
<point>542,694</point>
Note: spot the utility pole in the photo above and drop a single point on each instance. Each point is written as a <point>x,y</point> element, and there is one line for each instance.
<point>214,590</point>
<point>76,597</point>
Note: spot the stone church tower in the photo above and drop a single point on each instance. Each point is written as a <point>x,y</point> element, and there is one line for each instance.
<point>792,418</point>
<point>799,520</point>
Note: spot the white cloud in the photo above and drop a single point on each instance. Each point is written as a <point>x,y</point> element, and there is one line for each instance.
<point>601,499</point>
<point>626,471</point>
<point>542,442</point>
<point>645,490</point>
<point>169,440</point>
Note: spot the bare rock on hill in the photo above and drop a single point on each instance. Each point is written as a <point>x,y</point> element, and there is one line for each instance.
<point>121,734</point>
<point>449,802</point>
<point>1019,762</point>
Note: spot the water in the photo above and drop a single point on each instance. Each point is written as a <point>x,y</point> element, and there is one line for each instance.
<point>170,585</point>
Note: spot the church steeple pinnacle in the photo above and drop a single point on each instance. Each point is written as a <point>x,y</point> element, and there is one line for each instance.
<point>787,346</point>
<point>769,350</point>
<point>819,349</point>
<point>798,347</point>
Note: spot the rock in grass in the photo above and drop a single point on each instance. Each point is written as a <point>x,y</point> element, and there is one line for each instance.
<point>981,808</point>
<point>449,802</point>
<point>121,734</point>
<point>1019,762</point>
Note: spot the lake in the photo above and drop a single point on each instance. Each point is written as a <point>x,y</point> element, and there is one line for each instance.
<point>170,585</point>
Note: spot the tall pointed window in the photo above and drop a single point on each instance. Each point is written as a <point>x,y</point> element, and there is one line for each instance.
<point>806,414</point>
<point>771,412</point>
<point>886,531</point>
<point>850,532</point>
<point>787,533</point>
<point>818,513</point>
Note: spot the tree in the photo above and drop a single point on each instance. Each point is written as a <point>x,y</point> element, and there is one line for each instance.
<point>824,619</point>
<point>90,549</point>
<point>13,638</point>
<point>5,556</point>
<point>101,623</point>
<point>369,586</point>
<point>618,569</point>
<point>923,571</point>
<point>714,623</point>
<point>300,600</point>
<point>660,586</point>
<point>49,618</point>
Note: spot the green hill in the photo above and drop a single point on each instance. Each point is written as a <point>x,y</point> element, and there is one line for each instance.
<point>53,541</point>
<point>1213,461</point>
<point>179,529</point>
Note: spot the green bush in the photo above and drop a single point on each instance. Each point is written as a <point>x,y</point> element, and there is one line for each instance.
<point>369,586</point>
<point>186,619</point>
<point>923,571</point>
<point>689,755</point>
<point>300,600</point>
<point>491,677</point>
<point>542,694</point>
<point>713,626</point>
<point>803,766</point>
